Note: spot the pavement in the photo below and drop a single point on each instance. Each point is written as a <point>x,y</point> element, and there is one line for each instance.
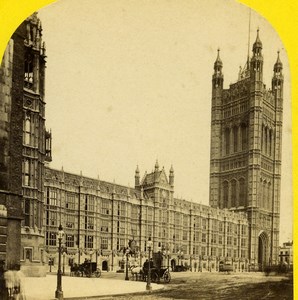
<point>43,288</point>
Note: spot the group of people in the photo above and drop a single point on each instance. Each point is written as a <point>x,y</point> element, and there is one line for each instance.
<point>12,284</point>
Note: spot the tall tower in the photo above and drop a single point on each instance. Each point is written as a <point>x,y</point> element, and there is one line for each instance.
<point>36,146</point>
<point>245,159</point>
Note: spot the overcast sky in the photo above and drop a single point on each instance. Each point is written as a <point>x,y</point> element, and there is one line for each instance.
<point>129,82</point>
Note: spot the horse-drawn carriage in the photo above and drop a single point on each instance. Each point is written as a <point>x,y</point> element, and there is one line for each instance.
<point>87,268</point>
<point>158,273</point>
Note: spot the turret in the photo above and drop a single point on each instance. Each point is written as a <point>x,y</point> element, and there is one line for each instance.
<point>217,78</point>
<point>156,170</point>
<point>137,177</point>
<point>171,177</point>
<point>278,79</point>
<point>256,64</point>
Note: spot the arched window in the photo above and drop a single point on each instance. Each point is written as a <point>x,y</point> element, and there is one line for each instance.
<point>235,137</point>
<point>27,131</point>
<point>227,140</point>
<point>265,194</point>
<point>242,194</point>
<point>269,196</point>
<point>270,142</point>
<point>225,194</point>
<point>28,71</point>
<point>261,202</point>
<point>233,193</point>
<point>244,137</point>
<point>26,172</point>
<point>263,138</point>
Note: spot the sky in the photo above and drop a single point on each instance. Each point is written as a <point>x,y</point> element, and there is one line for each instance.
<point>129,83</point>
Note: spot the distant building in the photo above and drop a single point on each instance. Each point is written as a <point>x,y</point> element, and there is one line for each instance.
<point>286,254</point>
<point>245,166</point>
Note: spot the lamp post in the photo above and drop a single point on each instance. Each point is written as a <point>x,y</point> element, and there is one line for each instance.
<point>148,285</point>
<point>126,267</point>
<point>63,264</point>
<point>59,292</point>
<point>180,255</point>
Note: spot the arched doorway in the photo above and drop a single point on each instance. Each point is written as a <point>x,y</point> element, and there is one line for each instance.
<point>262,250</point>
<point>104,266</point>
<point>173,264</point>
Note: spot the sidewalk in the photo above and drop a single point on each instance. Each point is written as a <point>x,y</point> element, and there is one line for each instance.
<point>43,288</point>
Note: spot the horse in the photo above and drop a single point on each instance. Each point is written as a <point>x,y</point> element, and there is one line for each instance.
<point>136,272</point>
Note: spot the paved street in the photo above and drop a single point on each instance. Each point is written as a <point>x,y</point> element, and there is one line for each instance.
<point>184,285</point>
<point>213,286</point>
<point>43,288</point>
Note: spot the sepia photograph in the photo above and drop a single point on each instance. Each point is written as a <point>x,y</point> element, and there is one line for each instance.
<point>145,153</point>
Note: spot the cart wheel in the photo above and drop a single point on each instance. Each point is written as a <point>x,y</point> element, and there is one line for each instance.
<point>88,274</point>
<point>97,273</point>
<point>77,273</point>
<point>167,277</point>
<point>154,277</point>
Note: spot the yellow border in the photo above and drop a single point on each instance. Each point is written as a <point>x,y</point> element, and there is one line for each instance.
<point>283,15</point>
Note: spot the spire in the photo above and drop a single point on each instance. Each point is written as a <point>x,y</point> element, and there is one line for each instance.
<point>171,176</point>
<point>278,65</point>
<point>137,177</point>
<point>156,166</point>
<point>218,63</point>
<point>257,46</point>
<point>248,44</point>
<point>217,77</point>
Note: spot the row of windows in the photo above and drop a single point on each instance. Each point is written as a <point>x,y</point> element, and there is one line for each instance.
<point>267,141</point>
<point>235,139</point>
<point>33,211</point>
<point>234,193</point>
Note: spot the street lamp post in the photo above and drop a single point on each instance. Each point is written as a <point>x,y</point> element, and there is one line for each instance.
<point>63,264</point>
<point>148,285</point>
<point>59,292</point>
<point>126,268</point>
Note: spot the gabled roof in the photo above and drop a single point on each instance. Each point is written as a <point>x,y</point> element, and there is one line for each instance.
<point>155,177</point>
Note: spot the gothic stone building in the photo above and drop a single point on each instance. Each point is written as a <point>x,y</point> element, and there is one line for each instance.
<point>241,225</point>
<point>245,164</point>
<point>100,218</point>
<point>23,148</point>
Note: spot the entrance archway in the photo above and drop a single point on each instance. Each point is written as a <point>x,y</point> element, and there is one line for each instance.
<point>173,264</point>
<point>104,265</point>
<point>262,250</point>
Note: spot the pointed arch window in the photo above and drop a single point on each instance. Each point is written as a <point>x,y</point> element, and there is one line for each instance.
<point>269,196</point>
<point>225,194</point>
<point>263,138</point>
<point>242,194</point>
<point>261,202</point>
<point>265,194</point>
<point>244,137</point>
<point>270,142</point>
<point>235,137</point>
<point>233,192</point>
<point>26,172</point>
<point>28,70</point>
<point>227,141</point>
<point>27,130</point>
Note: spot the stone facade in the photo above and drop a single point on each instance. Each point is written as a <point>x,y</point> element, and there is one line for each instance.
<point>100,218</point>
<point>245,164</point>
<point>35,152</point>
<point>240,227</point>
<point>23,148</point>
